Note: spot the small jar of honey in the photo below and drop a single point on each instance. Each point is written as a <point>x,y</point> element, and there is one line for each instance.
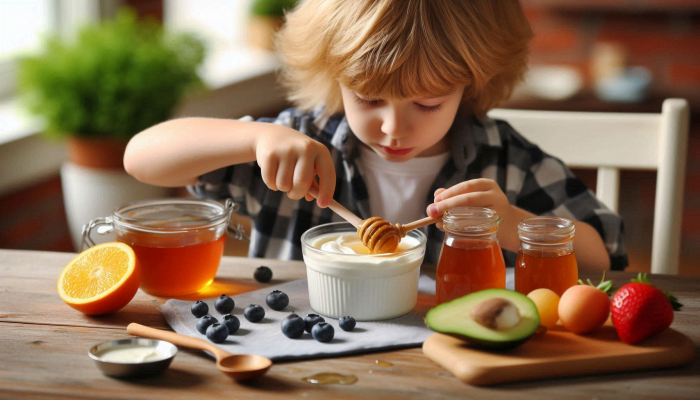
<point>178,242</point>
<point>471,257</point>
<point>546,257</point>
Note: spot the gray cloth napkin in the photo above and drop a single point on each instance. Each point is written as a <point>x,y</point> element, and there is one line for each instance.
<point>266,338</point>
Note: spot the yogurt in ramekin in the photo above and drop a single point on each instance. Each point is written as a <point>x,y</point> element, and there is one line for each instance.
<point>344,281</point>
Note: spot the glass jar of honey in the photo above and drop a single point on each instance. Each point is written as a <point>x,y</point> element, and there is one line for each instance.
<point>471,257</point>
<point>546,257</point>
<point>178,242</point>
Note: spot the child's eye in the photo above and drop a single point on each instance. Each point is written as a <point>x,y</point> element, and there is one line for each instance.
<point>429,108</point>
<point>368,102</point>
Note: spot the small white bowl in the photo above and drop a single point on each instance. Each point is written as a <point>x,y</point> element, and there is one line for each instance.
<point>365,287</point>
<point>136,369</point>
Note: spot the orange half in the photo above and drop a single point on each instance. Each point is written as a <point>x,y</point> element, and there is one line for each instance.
<point>101,279</point>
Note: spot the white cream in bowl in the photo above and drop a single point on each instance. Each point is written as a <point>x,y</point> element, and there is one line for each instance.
<point>345,280</point>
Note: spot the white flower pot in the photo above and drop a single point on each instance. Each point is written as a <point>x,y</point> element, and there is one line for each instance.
<point>90,193</point>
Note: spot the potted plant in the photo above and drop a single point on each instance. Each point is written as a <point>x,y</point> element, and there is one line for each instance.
<point>266,18</point>
<point>114,80</point>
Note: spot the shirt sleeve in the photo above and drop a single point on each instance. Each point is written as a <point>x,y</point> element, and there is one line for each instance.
<point>225,183</point>
<point>243,182</point>
<point>550,188</point>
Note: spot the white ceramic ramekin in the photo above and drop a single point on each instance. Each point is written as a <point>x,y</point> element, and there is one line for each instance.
<point>366,287</point>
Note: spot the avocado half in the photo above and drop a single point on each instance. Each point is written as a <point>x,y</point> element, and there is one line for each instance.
<point>454,319</point>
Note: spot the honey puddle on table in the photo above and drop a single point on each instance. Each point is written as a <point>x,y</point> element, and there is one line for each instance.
<point>330,378</point>
<point>382,363</point>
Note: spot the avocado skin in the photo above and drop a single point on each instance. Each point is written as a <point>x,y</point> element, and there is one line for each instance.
<point>486,344</point>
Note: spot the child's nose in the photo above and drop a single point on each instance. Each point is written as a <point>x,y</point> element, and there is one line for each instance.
<point>393,125</point>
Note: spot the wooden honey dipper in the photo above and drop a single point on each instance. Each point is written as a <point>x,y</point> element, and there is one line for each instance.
<point>378,235</point>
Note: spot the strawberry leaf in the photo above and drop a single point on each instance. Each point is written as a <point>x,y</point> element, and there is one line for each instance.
<point>674,301</point>
<point>641,278</point>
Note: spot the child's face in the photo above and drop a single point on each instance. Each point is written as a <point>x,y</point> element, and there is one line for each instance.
<point>401,129</point>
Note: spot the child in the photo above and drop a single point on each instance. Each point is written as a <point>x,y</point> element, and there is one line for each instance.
<point>391,99</point>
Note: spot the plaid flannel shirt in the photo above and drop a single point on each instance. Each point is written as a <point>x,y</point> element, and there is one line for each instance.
<point>486,148</point>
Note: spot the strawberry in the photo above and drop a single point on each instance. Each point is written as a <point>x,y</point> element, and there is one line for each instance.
<point>639,310</point>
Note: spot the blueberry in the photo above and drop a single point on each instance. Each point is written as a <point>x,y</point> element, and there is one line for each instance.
<point>277,300</point>
<point>232,323</point>
<point>254,313</point>
<point>199,308</point>
<point>217,332</point>
<point>224,304</point>
<point>293,326</point>
<point>323,332</point>
<point>347,323</point>
<point>311,320</point>
<point>263,274</point>
<point>204,322</point>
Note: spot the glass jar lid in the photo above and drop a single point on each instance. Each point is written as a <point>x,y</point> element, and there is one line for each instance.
<point>470,220</point>
<point>546,229</point>
<point>171,215</point>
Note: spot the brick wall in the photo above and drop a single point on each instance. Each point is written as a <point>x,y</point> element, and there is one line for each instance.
<point>33,218</point>
<point>662,35</point>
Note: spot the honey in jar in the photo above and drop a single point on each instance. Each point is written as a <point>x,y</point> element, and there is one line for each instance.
<point>471,257</point>
<point>171,267</point>
<point>546,257</point>
<point>178,242</point>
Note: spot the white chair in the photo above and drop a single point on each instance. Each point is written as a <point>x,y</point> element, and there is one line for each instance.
<point>609,142</point>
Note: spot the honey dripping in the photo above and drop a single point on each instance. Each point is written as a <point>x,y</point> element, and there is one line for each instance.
<point>330,378</point>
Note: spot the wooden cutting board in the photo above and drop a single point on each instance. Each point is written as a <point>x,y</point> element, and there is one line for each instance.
<point>559,353</point>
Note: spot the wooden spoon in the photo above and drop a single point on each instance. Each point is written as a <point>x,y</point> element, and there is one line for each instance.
<point>403,229</point>
<point>241,367</point>
<point>378,235</point>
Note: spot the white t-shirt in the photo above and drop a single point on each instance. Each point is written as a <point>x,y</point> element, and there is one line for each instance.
<point>397,190</point>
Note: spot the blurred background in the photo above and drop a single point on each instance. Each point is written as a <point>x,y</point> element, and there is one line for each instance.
<point>60,159</point>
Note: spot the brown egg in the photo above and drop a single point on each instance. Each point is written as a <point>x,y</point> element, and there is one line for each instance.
<point>583,308</point>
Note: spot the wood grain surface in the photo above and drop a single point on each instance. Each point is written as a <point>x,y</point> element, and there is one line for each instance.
<point>559,353</point>
<point>44,345</point>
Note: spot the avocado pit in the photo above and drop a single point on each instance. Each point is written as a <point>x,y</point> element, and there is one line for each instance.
<point>496,313</point>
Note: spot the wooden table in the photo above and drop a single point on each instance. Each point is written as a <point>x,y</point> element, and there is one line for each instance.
<point>44,344</point>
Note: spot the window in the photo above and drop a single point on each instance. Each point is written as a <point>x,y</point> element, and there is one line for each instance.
<point>24,24</point>
<point>222,23</point>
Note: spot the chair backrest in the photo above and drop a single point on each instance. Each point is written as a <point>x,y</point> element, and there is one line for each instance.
<point>610,142</point>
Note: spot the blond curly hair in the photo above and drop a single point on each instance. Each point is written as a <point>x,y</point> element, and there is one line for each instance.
<point>403,49</point>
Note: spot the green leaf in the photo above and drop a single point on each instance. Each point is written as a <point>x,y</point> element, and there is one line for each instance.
<point>271,8</point>
<point>674,301</point>
<point>604,285</point>
<point>641,278</point>
<point>114,80</point>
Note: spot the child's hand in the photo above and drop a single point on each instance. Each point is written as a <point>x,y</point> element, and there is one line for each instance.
<point>472,193</point>
<point>290,160</point>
